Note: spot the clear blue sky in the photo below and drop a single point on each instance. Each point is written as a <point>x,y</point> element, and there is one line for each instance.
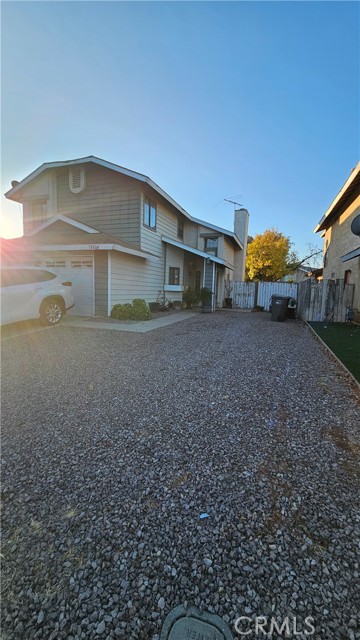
<point>252,101</point>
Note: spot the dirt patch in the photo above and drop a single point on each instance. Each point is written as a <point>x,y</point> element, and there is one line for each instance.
<point>341,440</point>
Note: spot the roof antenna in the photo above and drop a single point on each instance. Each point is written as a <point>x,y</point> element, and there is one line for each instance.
<point>234,203</point>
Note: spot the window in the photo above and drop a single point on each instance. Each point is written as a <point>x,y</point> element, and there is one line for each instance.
<point>180,229</point>
<point>149,214</point>
<point>174,275</point>
<point>55,263</point>
<point>82,262</point>
<point>76,180</point>
<point>211,245</point>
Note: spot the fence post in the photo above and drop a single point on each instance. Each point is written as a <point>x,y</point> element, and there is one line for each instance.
<point>256,294</point>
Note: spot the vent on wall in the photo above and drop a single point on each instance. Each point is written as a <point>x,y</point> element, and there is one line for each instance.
<point>76,180</point>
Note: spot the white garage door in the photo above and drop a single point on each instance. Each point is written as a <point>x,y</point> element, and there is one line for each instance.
<point>80,271</point>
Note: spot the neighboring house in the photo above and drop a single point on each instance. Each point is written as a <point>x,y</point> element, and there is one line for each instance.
<point>341,246</point>
<point>299,275</point>
<point>118,236</point>
<point>303,273</point>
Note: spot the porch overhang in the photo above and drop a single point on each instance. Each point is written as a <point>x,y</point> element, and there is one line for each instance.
<point>91,247</point>
<point>197,252</point>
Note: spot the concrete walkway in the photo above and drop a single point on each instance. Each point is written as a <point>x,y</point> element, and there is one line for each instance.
<point>133,327</point>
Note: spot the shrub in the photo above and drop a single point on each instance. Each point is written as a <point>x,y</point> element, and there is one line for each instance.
<point>205,295</point>
<point>190,297</point>
<point>138,310</point>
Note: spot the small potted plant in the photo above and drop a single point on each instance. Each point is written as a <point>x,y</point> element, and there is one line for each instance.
<point>228,291</point>
<point>190,297</point>
<point>205,297</point>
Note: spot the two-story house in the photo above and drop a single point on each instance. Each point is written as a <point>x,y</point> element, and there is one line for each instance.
<point>118,236</point>
<point>341,245</point>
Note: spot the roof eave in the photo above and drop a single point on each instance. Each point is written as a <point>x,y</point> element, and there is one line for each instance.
<point>322,225</point>
<point>123,170</point>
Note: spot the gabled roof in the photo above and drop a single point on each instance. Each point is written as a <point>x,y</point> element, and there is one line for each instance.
<point>67,220</point>
<point>84,237</point>
<point>347,194</point>
<point>220,229</point>
<point>15,190</point>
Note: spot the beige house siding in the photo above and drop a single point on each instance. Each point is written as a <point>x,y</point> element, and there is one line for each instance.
<point>191,234</point>
<point>110,202</point>
<point>228,250</point>
<point>101,282</point>
<point>239,264</point>
<point>61,229</point>
<point>200,240</point>
<point>166,225</point>
<point>42,188</point>
<point>338,241</point>
<point>133,277</point>
<point>174,258</point>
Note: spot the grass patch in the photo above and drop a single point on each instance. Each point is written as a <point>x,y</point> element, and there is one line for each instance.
<point>344,342</point>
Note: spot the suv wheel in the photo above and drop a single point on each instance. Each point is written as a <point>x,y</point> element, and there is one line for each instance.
<point>51,311</point>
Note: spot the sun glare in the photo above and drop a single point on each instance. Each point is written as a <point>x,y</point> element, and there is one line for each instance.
<point>11,223</point>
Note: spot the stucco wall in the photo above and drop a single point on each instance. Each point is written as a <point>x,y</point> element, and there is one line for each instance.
<point>338,241</point>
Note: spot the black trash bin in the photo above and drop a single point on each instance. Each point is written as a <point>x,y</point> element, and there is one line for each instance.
<point>279,305</point>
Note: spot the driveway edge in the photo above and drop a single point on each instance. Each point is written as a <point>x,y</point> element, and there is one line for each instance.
<point>334,356</point>
<point>137,327</point>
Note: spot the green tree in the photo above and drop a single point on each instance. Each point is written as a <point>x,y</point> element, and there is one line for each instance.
<point>268,256</point>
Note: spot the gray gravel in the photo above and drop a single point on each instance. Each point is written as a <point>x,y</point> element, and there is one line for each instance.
<point>115,444</point>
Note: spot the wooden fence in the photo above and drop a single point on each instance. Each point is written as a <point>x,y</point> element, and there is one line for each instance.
<point>324,301</point>
<point>248,294</point>
<point>243,295</point>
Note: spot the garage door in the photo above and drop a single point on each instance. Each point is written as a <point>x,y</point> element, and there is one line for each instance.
<point>80,271</point>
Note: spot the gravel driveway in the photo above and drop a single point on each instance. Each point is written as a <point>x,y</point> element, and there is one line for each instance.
<point>115,444</point>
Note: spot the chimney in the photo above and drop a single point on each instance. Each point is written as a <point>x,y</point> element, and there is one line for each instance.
<point>241,225</point>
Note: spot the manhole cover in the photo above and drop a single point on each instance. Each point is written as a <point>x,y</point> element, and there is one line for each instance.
<point>191,624</point>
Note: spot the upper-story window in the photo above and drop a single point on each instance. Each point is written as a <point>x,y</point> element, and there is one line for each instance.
<point>149,213</point>
<point>211,246</point>
<point>180,229</point>
<point>77,179</point>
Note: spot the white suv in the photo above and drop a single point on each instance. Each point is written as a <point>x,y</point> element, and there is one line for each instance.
<point>28,293</point>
